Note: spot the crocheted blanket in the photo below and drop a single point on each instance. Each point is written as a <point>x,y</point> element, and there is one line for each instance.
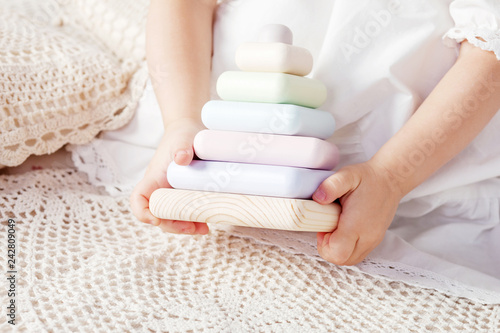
<point>84,263</point>
<point>68,70</point>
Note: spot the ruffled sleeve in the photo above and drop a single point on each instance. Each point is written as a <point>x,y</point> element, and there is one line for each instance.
<point>478,22</point>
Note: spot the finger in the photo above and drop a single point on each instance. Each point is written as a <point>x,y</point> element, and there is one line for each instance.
<point>182,149</point>
<point>363,248</point>
<point>338,246</point>
<point>356,258</point>
<point>183,227</point>
<point>183,156</point>
<point>177,227</point>
<point>139,201</point>
<point>201,228</point>
<point>319,239</point>
<point>334,187</point>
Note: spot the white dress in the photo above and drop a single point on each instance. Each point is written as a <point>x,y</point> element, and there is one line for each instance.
<point>379,60</point>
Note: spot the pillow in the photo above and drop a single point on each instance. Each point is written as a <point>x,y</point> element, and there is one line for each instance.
<point>65,77</point>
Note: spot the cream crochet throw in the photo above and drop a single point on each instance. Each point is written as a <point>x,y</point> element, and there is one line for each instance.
<point>72,68</point>
<point>85,264</point>
<point>68,69</point>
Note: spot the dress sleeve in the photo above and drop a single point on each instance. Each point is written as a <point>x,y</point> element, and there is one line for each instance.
<point>478,22</point>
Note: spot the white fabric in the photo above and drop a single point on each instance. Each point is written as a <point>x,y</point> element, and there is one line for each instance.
<point>478,22</point>
<point>379,60</point>
<point>117,159</point>
<point>85,264</point>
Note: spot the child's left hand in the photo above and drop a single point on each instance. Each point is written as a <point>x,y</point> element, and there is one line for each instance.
<point>369,197</point>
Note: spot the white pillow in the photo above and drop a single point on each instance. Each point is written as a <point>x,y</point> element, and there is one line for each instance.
<point>66,73</point>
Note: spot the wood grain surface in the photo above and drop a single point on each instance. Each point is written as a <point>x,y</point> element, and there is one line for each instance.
<point>243,210</point>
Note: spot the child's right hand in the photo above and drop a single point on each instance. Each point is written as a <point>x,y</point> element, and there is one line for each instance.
<point>176,145</point>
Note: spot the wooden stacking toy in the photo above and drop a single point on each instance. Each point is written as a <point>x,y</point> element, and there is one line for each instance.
<point>263,154</point>
<point>244,210</point>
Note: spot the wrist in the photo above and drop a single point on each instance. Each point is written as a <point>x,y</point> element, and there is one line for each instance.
<point>183,122</point>
<point>390,173</point>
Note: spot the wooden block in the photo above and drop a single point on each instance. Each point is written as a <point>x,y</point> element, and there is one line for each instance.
<point>243,210</point>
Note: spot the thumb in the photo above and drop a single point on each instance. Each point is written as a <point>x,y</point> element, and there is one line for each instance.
<point>183,152</point>
<point>183,156</point>
<point>334,187</point>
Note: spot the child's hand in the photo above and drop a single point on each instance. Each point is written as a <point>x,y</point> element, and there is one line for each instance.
<point>369,198</point>
<point>176,145</point>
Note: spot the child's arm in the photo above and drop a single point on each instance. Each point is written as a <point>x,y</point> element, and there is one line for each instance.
<point>178,48</point>
<point>456,111</point>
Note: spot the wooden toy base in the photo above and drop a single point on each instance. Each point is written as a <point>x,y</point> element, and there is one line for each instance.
<point>243,210</point>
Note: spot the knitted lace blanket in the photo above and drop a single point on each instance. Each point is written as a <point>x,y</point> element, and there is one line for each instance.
<point>68,70</point>
<point>85,264</point>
